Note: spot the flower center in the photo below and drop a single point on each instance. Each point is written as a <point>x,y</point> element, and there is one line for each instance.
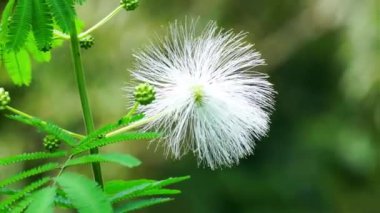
<point>198,94</point>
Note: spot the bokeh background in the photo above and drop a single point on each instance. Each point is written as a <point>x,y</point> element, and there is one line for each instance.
<point>323,56</point>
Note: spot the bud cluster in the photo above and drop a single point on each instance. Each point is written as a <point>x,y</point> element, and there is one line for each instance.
<point>4,98</point>
<point>51,143</point>
<point>130,4</point>
<point>144,94</point>
<point>87,42</point>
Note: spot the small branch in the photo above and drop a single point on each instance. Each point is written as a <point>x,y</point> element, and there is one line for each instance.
<point>101,22</point>
<point>18,112</point>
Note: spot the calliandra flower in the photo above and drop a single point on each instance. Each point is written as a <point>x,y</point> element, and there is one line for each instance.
<point>208,98</point>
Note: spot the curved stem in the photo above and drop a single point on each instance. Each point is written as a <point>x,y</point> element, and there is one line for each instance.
<point>18,112</point>
<point>101,22</point>
<point>81,82</point>
<point>132,126</point>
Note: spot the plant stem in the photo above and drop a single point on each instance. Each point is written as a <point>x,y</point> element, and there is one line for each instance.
<point>132,126</point>
<point>101,22</point>
<point>18,112</point>
<point>81,83</point>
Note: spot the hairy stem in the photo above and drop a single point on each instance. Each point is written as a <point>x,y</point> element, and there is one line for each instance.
<point>81,83</point>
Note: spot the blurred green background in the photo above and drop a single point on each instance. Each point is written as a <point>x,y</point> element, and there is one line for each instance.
<point>323,56</point>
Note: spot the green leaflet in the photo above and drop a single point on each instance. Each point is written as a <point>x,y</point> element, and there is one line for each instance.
<point>30,156</point>
<point>84,194</point>
<point>36,53</point>
<point>22,205</point>
<point>115,139</point>
<point>63,13</point>
<point>18,66</point>
<point>31,187</point>
<point>110,127</point>
<point>42,24</point>
<point>122,159</point>
<point>28,173</point>
<point>20,25</point>
<point>139,204</point>
<point>46,127</point>
<point>121,190</point>
<point>5,18</point>
<point>43,201</point>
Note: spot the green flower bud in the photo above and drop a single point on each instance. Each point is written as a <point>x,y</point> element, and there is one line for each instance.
<point>4,98</point>
<point>87,42</point>
<point>144,94</point>
<point>51,143</point>
<point>130,4</point>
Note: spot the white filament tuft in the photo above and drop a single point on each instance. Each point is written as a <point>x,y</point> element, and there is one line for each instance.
<point>208,99</point>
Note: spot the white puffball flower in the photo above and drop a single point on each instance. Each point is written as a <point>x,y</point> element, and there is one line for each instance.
<point>208,99</point>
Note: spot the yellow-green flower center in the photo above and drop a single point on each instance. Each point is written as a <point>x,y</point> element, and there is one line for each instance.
<point>198,95</point>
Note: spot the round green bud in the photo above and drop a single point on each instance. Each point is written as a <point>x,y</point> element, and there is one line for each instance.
<point>4,98</point>
<point>130,4</point>
<point>51,143</point>
<point>144,94</point>
<point>87,42</point>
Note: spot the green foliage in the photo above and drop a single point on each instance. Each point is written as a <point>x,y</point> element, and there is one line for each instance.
<point>63,13</point>
<point>122,159</point>
<point>121,190</point>
<point>20,25</point>
<point>28,173</point>
<point>43,201</point>
<point>42,25</point>
<point>85,194</point>
<point>139,204</point>
<point>115,139</point>
<point>30,156</point>
<point>5,204</point>
<point>22,205</point>
<point>18,66</point>
<point>46,127</point>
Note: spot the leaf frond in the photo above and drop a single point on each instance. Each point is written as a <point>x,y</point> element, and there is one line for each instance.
<point>84,194</point>
<point>139,204</point>
<point>28,173</point>
<point>30,156</point>
<point>122,159</point>
<point>20,25</point>
<point>5,204</point>
<point>115,139</point>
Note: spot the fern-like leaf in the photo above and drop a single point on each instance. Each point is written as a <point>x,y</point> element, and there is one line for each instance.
<point>21,205</point>
<point>42,24</point>
<point>28,173</point>
<point>6,13</point>
<point>116,139</point>
<point>63,13</point>
<point>18,66</point>
<point>20,25</point>
<point>121,190</point>
<point>46,127</point>
<point>85,194</point>
<point>43,201</point>
<point>139,204</point>
<point>30,156</point>
<point>110,127</point>
<point>35,52</point>
<point>122,159</point>
<point>5,204</point>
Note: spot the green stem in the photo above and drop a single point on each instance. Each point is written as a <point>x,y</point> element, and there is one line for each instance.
<point>18,112</point>
<point>81,82</point>
<point>132,126</point>
<point>101,22</point>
